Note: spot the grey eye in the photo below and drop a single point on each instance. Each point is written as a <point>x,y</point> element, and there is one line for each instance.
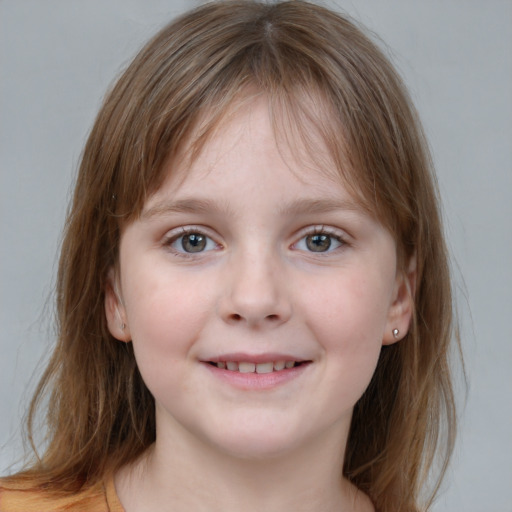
<point>193,242</point>
<point>318,242</point>
<point>190,241</point>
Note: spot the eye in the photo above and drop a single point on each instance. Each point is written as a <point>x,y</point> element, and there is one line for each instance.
<point>319,241</point>
<point>191,242</point>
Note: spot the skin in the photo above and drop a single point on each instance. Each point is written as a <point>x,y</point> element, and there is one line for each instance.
<point>255,289</point>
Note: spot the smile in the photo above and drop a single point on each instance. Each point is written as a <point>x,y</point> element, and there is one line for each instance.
<point>247,367</point>
<point>256,372</point>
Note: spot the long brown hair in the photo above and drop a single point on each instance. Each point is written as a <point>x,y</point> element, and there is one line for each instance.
<point>316,67</point>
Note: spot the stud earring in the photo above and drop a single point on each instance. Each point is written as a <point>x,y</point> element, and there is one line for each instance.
<point>123,326</point>
<point>396,332</point>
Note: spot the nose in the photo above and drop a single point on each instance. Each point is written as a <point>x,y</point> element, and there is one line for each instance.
<point>255,293</point>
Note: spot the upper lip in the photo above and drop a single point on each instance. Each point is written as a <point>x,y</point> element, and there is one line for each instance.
<point>253,358</point>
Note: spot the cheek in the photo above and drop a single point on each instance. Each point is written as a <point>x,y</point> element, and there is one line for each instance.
<point>348,318</point>
<point>165,313</point>
<point>352,308</point>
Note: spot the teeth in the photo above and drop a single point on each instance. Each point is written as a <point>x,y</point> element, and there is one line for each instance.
<point>264,367</point>
<point>244,367</point>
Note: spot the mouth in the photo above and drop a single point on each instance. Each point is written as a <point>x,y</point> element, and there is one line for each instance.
<point>260,368</point>
<point>257,372</point>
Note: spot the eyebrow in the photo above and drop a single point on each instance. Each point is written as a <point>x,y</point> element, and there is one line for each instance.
<point>298,207</point>
<point>184,206</point>
<point>319,206</point>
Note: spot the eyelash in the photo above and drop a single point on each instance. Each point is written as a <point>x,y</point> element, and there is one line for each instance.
<point>173,238</point>
<point>329,233</point>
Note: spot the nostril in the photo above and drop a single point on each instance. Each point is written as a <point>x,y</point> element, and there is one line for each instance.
<point>236,317</point>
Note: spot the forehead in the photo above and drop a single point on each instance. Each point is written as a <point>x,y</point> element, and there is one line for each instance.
<point>256,143</point>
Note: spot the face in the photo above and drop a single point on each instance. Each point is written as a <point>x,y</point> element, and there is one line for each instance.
<point>257,295</point>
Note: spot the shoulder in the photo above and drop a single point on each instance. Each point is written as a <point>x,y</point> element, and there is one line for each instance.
<point>16,496</point>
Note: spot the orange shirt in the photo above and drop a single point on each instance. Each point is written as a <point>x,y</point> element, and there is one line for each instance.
<point>99,498</point>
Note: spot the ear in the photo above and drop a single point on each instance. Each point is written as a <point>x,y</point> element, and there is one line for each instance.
<point>115,310</point>
<point>402,306</point>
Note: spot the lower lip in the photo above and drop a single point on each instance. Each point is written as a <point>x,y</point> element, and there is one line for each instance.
<point>257,381</point>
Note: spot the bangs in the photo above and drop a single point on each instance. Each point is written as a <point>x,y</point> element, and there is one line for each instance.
<point>305,113</point>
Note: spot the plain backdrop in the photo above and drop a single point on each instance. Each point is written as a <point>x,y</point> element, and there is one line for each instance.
<point>57,59</point>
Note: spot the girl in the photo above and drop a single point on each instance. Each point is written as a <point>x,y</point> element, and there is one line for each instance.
<point>253,295</point>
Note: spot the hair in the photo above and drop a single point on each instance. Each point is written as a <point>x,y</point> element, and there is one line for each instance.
<point>318,69</point>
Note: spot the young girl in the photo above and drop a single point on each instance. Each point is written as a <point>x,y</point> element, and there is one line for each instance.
<point>253,294</point>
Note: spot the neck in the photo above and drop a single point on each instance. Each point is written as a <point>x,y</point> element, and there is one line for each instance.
<point>180,476</point>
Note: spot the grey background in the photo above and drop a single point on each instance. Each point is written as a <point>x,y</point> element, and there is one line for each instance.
<point>57,58</point>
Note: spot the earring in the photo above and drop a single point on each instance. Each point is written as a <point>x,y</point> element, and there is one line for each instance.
<point>396,332</point>
<point>123,326</point>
